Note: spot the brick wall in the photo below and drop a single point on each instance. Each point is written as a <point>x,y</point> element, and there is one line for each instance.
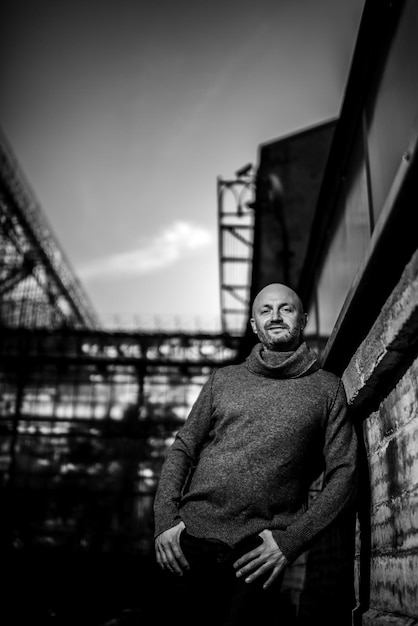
<point>382,386</point>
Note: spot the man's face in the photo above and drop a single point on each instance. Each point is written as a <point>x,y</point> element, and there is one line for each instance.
<point>278,318</point>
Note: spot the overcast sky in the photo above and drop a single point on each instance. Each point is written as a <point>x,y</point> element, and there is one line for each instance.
<point>122,113</point>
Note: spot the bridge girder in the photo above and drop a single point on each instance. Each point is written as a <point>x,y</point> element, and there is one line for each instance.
<point>120,347</point>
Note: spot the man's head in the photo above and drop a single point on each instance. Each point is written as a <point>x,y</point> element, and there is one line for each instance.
<point>278,318</point>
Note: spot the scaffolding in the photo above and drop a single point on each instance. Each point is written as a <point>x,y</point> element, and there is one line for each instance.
<point>37,284</point>
<point>86,419</point>
<point>236,233</point>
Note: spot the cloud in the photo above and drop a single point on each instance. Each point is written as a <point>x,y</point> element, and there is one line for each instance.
<point>176,242</point>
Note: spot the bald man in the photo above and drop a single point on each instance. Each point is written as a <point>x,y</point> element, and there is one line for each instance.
<point>231,506</point>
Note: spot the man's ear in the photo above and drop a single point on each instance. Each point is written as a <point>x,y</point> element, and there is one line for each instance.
<point>304,321</point>
<point>253,326</point>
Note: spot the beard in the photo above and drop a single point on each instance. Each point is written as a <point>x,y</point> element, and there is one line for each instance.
<point>288,339</point>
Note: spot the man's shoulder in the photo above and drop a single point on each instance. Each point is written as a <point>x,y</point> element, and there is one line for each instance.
<point>228,371</point>
<point>328,380</point>
<point>328,376</point>
<point>231,368</point>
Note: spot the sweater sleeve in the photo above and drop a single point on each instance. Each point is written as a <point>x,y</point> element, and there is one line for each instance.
<point>340,482</point>
<point>181,459</point>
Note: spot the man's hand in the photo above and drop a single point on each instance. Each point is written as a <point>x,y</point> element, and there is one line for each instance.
<point>262,560</point>
<point>168,552</point>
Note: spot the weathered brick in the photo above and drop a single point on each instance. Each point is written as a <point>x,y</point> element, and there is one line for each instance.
<point>377,618</point>
<point>391,336</point>
<point>394,584</point>
<point>381,382</point>
<point>395,411</point>
<point>393,467</point>
<point>394,524</point>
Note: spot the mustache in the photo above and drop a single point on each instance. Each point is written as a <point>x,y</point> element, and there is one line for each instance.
<point>276,325</point>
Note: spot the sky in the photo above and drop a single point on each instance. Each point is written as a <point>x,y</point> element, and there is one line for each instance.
<point>123,113</point>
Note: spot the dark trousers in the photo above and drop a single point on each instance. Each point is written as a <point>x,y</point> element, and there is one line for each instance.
<point>210,594</point>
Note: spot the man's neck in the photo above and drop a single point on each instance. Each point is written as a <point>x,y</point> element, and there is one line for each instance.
<point>274,357</point>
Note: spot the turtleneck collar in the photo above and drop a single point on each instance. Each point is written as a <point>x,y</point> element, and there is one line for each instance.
<point>282,364</point>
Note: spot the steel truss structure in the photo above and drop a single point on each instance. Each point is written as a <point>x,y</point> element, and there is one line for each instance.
<point>235,237</point>
<point>86,418</point>
<point>37,285</point>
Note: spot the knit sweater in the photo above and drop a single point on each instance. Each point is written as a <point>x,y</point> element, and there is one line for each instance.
<point>256,438</point>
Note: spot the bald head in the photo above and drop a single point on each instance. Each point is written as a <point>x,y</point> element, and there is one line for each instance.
<point>277,289</point>
<point>278,317</point>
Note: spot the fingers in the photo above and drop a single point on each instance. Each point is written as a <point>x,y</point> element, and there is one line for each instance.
<point>262,570</point>
<point>254,569</point>
<point>265,560</point>
<point>179,556</point>
<point>169,561</point>
<point>249,556</point>
<point>272,578</point>
<point>168,552</point>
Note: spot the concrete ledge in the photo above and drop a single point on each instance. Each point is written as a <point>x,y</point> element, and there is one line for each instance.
<point>391,340</point>
<point>377,618</point>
